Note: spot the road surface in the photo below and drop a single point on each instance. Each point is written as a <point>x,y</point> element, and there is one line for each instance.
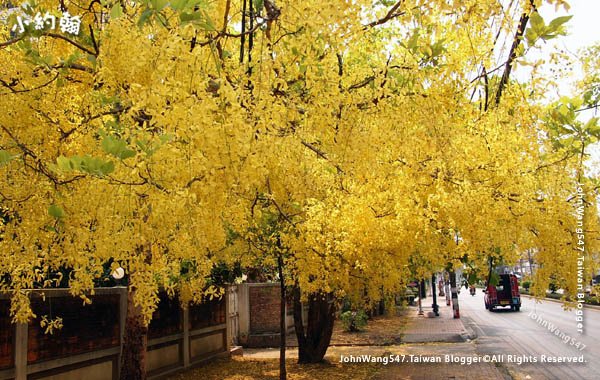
<point>531,333</point>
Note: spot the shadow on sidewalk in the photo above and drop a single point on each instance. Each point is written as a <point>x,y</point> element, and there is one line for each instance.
<point>383,330</point>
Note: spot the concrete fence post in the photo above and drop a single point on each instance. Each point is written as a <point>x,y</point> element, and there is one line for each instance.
<point>244,313</point>
<point>21,351</point>
<point>228,329</point>
<point>186,336</point>
<point>122,320</point>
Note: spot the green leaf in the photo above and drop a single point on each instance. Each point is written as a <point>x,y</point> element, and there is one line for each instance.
<point>178,5</point>
<point>554,29</point>
<point>56,211</point>
<point>558,22</point>
<point>144,17</point>
<point>167,137</point>
<point>96,166</point>
<point>564,110</point>
<point>413,41</point>
<point>64,164</point>
<point>187,17</point>
<point>107,168</point>
<point>200,19</point>
<point>87,164</point>
<point>576,103</point>
<point>159,5</point>
<point>145,147</point>
<point>531,36</point>
<point>548,36</point>
<point>116,11</point>
<point>537,22</point>
<point>258,5</point>
<point>592,127</point>
<point>6,157</point>
<point>494,279</point>
<point>537,28</point>
<point>184,5</point>
<point>117,147</point>
<point>438,48</point>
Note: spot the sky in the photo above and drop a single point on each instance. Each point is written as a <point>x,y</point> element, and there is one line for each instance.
<point>584,26</point>
<point>583,30</point>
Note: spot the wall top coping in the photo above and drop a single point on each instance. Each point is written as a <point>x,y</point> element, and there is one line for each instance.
<point>261,284</point>
<point>62,292</point>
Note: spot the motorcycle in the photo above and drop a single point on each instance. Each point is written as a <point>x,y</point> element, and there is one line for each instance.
<point>472,290</point>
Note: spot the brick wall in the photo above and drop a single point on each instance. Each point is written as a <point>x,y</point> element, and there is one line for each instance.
<point>7,353</point>
<point>264,309</point>
<point>258,315</point>
<point>85,328</point>
<point>89,344</point>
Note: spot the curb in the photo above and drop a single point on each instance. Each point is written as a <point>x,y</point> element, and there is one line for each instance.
<point>585,305</point>
<point>468,323</point>
<point>470,335</point>
<point>420,338</point>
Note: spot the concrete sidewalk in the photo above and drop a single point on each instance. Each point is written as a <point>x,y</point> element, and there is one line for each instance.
<point>429,328</point>
<point>417,367</point>
<point>409,361</point>
<point>414,328</point>
<point>423,337</point>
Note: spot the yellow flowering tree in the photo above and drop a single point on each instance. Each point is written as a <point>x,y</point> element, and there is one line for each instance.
<point>330,140</point>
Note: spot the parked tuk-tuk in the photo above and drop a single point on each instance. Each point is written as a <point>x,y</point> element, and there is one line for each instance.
<point>506,293</point>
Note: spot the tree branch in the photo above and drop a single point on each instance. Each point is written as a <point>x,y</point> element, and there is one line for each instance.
<point>10,42</point>
<point>40,168</point>
<point>94,42</point>
<point>74,43</point>
<point>390,15</point>
<point>34,88</point>
<point>321,154</point>
<point>513,51</point>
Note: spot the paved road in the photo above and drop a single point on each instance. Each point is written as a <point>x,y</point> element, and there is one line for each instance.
<point>518,333</point>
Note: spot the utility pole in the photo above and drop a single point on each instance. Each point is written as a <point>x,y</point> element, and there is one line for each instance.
<point>454,294</point>
<point>447,288</point>
<point>421,295</point>
<point>453,287</point>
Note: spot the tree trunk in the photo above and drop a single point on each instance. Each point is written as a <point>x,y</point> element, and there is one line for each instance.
<point>435,306</point>
<point>133,359</point>
<point>382,303</point>
<point>521,266</point>
<point>313,343</point>
<point>447,291</point>
<point>282,324</point>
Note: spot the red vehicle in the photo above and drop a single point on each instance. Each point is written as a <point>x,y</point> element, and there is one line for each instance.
<point>506,293</point>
